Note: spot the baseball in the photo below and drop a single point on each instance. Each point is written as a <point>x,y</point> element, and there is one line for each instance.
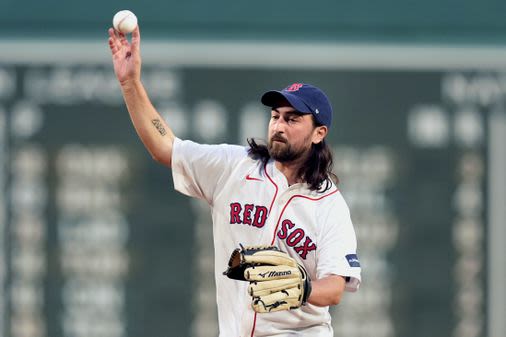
<point>124,21</point>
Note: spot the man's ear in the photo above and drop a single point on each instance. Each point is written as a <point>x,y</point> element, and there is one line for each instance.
<point>319,134</point>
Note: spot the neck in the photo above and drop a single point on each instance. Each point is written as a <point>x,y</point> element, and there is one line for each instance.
<point>290,170</point>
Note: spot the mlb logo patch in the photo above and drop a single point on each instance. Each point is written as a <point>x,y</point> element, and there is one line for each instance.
<point>353,260</point>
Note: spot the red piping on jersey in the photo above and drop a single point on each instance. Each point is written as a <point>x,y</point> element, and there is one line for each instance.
<point>270,208</point>
<point>276,186</point>
<point>254,324</point>
<point>279,218</point>
<point>289,200</point>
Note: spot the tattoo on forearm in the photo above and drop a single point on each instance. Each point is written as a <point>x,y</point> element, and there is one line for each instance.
<point>159,126</point>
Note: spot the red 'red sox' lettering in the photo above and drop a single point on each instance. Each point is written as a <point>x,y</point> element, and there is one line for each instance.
<point>252,215</point>
<point>247,213</point>
<point>294,237</point>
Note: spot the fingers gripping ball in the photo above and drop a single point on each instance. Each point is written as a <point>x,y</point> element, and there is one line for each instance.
<point>277,281</point>
<point>124,21</point>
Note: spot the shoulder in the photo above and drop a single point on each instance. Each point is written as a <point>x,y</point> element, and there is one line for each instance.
<point>330,195</point>
<point>333,207</point>
<point>339,201</point>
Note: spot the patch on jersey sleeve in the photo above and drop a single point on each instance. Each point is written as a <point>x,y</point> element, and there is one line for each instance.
<point>353,260</point>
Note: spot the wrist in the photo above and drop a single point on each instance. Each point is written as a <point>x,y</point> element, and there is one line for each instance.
<point>129,85</point>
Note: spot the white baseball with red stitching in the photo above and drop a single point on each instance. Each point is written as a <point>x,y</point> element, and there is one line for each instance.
<point>124,21</point>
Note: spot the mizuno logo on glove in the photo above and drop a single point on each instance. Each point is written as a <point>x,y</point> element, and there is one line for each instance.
<point>277,281</point>
<point>275,273</point>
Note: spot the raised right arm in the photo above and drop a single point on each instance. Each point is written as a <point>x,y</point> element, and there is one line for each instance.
<point>155,134</point>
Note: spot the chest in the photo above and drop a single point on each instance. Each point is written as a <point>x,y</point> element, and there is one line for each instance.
<point>255,212</point>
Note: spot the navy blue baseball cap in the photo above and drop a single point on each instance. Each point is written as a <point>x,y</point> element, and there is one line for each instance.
<point>305,98</point>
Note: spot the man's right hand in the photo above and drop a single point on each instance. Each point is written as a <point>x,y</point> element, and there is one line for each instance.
<point>150,126</point>
<point>126,56</point>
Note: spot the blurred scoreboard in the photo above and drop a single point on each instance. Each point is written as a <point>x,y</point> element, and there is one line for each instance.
<point>94,241</point>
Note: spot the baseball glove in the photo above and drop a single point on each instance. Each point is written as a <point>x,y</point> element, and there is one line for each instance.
<point>277,281</point>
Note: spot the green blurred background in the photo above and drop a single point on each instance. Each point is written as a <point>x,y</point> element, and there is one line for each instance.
<point>94,241</point>
<point>430,21</point>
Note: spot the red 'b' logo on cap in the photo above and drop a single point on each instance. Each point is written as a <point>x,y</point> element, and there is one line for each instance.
<point>294,87</point>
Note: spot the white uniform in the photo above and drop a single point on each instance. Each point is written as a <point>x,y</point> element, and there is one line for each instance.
<point>252,204</point>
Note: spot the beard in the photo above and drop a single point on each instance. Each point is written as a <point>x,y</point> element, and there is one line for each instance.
<point>283,152</point>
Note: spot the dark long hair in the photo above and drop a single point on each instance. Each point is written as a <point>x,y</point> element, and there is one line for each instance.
<point>316,171</point>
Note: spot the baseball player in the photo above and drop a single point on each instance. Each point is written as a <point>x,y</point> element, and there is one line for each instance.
<point>275,206</point>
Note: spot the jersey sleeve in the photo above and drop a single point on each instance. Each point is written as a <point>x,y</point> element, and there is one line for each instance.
<point>337,254</point>
<point>199,170</point>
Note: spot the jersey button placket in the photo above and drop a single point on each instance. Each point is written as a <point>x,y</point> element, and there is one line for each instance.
<point>281,210</point>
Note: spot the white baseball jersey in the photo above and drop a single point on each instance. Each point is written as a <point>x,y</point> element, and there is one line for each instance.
<point>252,204</point>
